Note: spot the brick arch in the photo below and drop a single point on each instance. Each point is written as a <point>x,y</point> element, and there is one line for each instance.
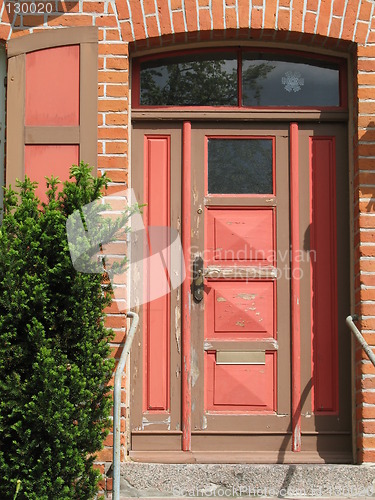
<point>243,35</point>
<point>329,22</point>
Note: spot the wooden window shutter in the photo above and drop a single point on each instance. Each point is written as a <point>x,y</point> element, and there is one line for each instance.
<point>52,105</point>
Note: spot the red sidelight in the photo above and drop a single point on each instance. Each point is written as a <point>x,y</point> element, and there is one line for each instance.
<point>324,275</point>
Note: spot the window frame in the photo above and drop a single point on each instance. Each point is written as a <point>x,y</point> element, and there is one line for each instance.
<point>342,63</point>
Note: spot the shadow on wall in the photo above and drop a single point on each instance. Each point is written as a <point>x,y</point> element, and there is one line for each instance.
<point>366,166</point>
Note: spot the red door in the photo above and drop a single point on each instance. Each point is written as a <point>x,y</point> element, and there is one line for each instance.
<point>248,362</point>
<point>241,327</point>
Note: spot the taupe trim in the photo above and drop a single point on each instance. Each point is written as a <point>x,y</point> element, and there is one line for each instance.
<point>52,38</point>
<point>15,120</point>
<point>274,115</point>
<point>240,357</point>
<point>89,103</point>
<point>52,135</point>
<point>251,345</point>
<point>252,457</point>
<point>240,201</point>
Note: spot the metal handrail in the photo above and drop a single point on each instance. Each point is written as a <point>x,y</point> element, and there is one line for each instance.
<point>117,405</point>
<point>350,322</point>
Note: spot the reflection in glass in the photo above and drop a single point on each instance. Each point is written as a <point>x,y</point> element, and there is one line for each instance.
<point>273,80</point>
<point>240,166</point>
<point>191,80</point>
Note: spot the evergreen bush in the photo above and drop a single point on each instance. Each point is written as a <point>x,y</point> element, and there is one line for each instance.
<point>54,353</point>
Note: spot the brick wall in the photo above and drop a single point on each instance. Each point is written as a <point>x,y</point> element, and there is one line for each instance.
<point>331,24</point>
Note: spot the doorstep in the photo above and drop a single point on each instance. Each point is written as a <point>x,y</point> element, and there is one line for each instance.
<point>181,481</point>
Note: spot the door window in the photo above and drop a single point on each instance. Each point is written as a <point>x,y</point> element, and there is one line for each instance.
<point>240,166</point>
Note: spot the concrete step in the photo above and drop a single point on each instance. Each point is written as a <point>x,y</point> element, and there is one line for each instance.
<point>152,480</point>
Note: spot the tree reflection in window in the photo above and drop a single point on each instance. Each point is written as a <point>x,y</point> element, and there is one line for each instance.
<point>239,78</point>
<point>240,166</point>
<point>198,80</point>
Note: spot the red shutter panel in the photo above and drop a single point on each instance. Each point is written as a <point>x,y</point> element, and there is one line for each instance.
<point>52,104</point>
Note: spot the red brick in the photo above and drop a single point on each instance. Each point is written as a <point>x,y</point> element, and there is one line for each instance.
<point>366,79</point>
<point>366,456</point>
<point>369,442</point>
<point>96,7</point>
<point>335,28</point>
<point>204,20</point>
<point>104,455</point>
<point>126,31</point>
<point>106,20</point>
<point>368,383</point>
<point>70,20</point>
<point>68,6</point>
<point>112,133</point>
<point>367,221</point>
<point>297,18</point>
<point>218,15</point>
<point>243,13</point>
<point>176,4</point>
<point>164,17</point>
<point>257,18</point>
<point>111,162</point>
<point>310,20</point>
<point>178,22</point>
<point>283,20</point>
<point>350,20</point>
<point>122,10</point>
<point>152,27</point>
<point>118,321</point>
<point>116,119</point>
<point>116,147</point>
<point>117,175</point>
<point>367,251</point>
<point>106,105</point>
<point>113,76</point>
<point>361,32</point>
<point>112,49</point>
<point>231,18</point>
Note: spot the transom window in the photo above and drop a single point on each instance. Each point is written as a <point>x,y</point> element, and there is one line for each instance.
<point>239,78</point>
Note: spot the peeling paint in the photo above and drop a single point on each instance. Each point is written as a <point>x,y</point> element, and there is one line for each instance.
<point>204,422</point>
<point>146,422</point>
<point>246,296</point>
<point>241,323</point>
<point>297,438</point>
<point>221,299</point>
<point>194,367</point>
<point>207,345</point>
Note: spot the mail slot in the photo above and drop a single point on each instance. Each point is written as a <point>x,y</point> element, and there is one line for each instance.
<point>240,357</point>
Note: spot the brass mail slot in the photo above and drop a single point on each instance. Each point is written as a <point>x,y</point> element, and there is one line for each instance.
<point>240,357</point>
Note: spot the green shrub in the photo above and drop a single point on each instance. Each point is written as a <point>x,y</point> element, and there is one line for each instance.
<point>54,351</point>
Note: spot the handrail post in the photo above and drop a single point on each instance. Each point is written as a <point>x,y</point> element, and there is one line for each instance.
<point>350,322</point>
<point>117,405</point>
